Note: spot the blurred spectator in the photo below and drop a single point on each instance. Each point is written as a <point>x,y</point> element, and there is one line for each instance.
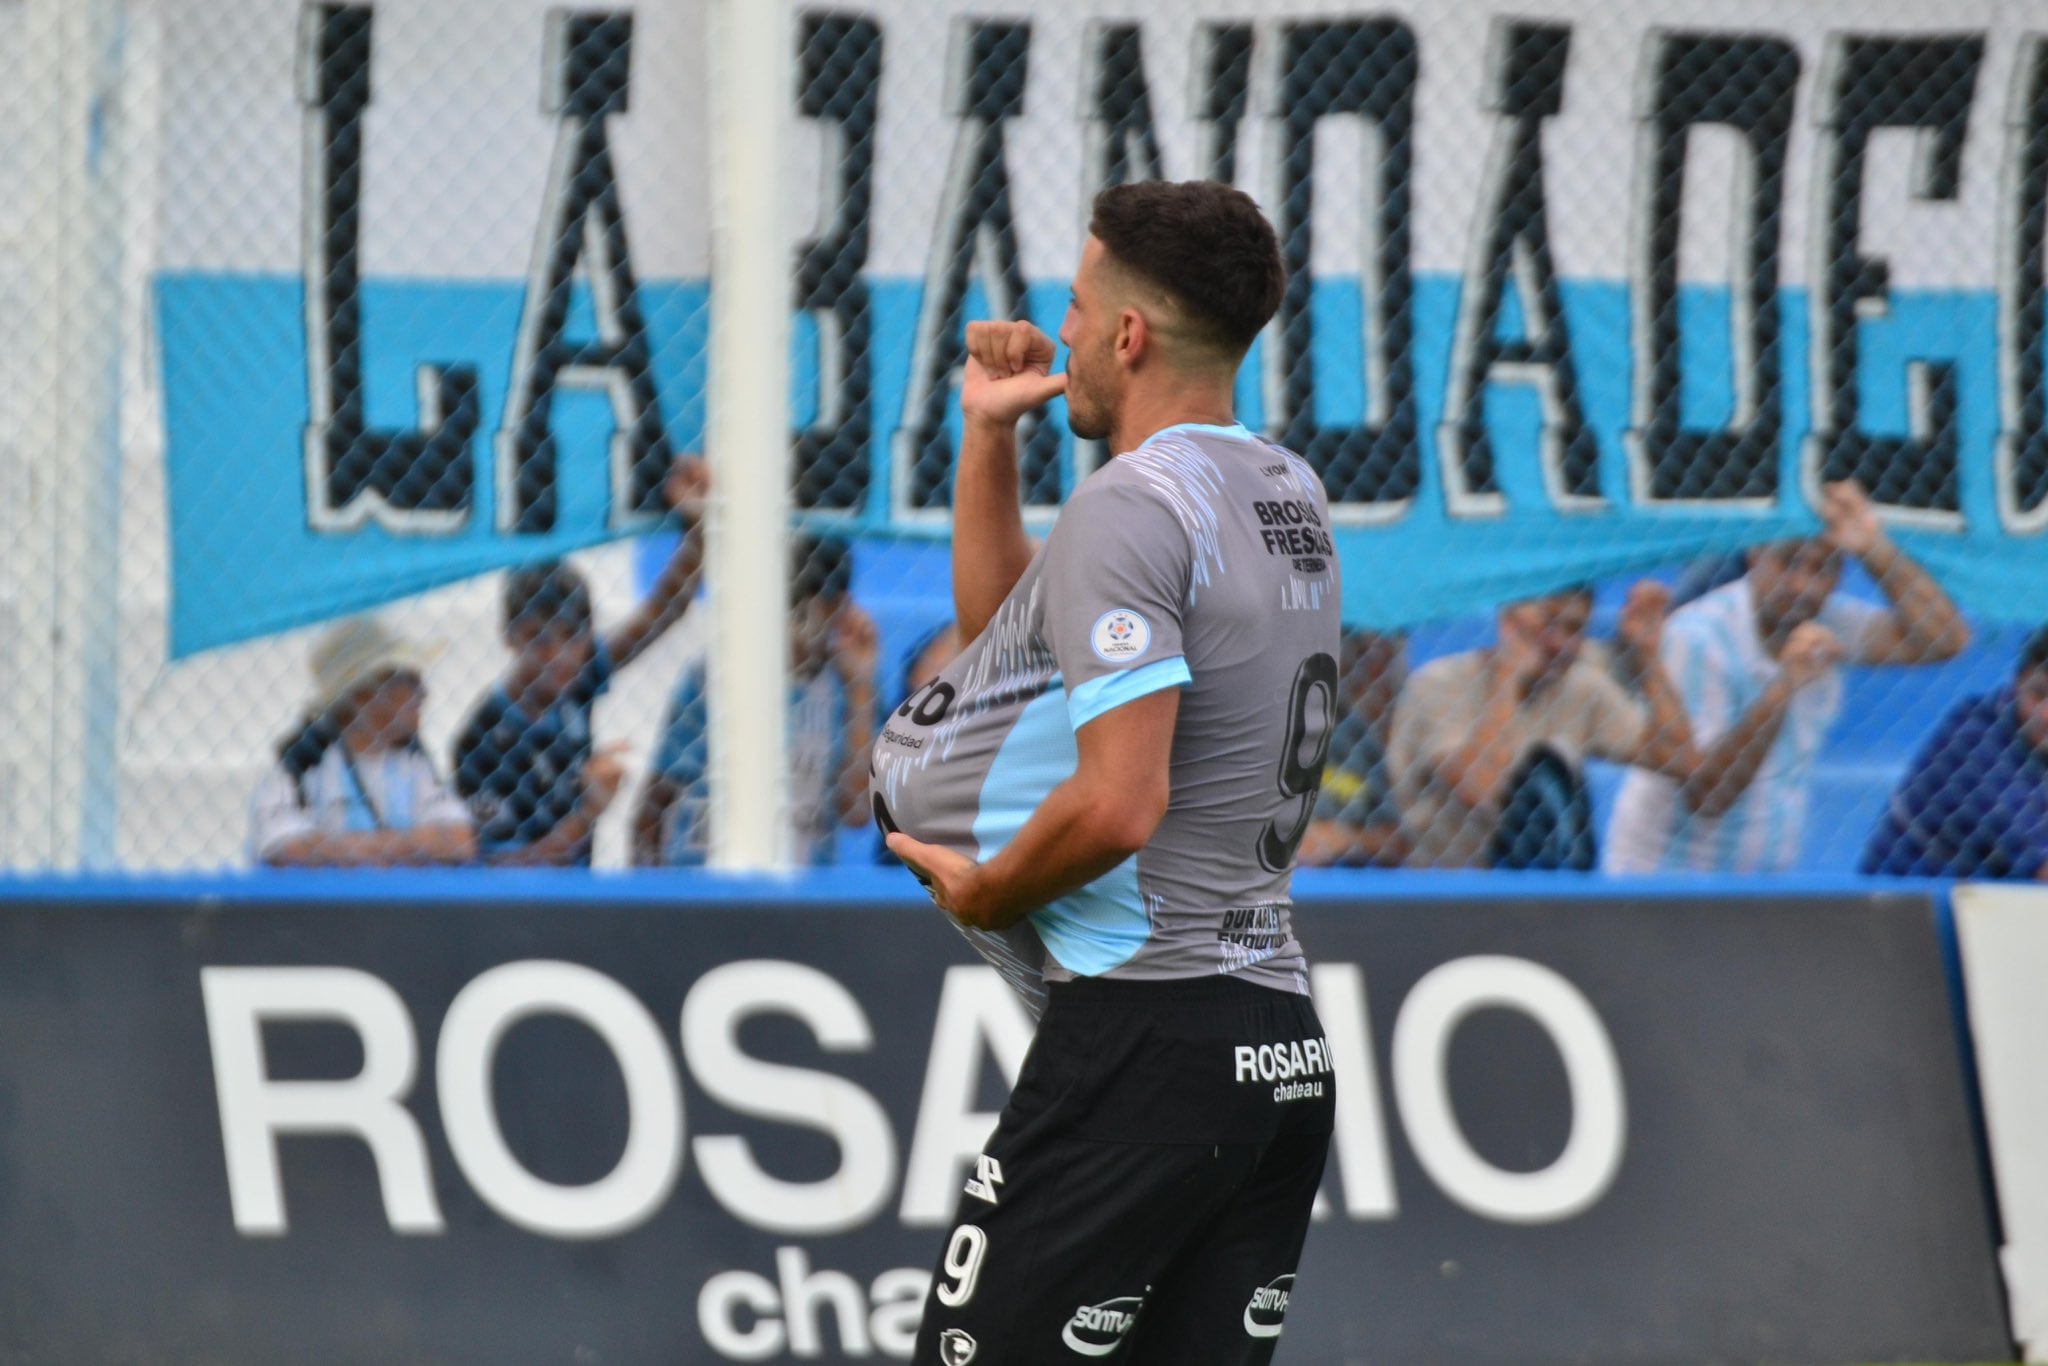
<point>351,787</point>
<point>1975,801</point>
<point>831,719</point>
<point>1756,663</point>
<point>1356,821</point>
<point>525,759</point>
<point>1488,747</point>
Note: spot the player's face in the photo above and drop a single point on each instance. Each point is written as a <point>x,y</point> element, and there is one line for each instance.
<point>2030,702</point>
<point>1792,581</point>
<point>1089,334</point>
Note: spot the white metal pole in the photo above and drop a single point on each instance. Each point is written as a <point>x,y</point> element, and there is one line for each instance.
<point>63,562</point>
<point>747,563</point>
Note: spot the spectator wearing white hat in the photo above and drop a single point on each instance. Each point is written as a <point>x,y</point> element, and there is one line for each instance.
<point>352,788</point>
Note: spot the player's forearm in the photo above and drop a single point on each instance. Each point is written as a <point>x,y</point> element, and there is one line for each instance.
<point>1727,769</point>
<point>1928,619</point>
<point>1078,833</point>
<point>990,548</point>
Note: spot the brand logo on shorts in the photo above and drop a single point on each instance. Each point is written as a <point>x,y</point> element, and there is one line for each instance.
<point>1121,634</point>
<point>957,1348</point>
<point>988,1174</point>
<point>1268,1307</point>
<point>1096,1330</point>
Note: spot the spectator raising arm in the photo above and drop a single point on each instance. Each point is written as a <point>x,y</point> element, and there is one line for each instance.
<point>1666,746</point>
<point>1923,626</point>
<point>676,586</point>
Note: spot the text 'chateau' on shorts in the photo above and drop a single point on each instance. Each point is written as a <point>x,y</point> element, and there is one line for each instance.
<point>1146,1193</point>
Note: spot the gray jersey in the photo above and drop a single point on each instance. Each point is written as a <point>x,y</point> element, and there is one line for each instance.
<point>1201,560</point>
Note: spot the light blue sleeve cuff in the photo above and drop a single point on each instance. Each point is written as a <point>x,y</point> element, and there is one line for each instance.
<point>1107,693</point>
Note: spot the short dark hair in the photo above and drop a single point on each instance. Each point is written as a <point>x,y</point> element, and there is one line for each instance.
<point>1206,244</point>
<point>2033,655</point>
<point>544,595</point>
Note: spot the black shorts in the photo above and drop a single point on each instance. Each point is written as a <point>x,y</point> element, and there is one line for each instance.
<point>1146,1193</point>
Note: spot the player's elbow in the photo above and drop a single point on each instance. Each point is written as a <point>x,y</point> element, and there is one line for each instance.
<point>1124,820</point>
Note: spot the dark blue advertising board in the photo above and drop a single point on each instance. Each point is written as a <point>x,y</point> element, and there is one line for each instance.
<point>1606,1131</point>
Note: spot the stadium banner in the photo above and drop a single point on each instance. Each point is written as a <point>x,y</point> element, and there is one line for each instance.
<point>2003,934</point>
<point>1580,287</point>
<point>393,1130</point>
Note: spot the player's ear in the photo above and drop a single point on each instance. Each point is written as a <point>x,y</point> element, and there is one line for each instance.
<point>1133,336</point>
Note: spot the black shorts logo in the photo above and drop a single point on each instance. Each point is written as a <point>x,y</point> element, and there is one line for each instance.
<point>957,1348</point>
<point>1268,1306</point>
<point>1096,1330</point>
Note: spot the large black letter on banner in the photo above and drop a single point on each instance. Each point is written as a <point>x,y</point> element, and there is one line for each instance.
<point>840,60</point>
<point>1223,66</point>
<point>417,481</point>
<point>582,228</point>
<point>1511,245</point>
<point>1366,68</point>
<point>2023,301</point>
<point>990,62</point>
<point>1123,145</point>
<point>1747,85</point>
<point>1883,82</point>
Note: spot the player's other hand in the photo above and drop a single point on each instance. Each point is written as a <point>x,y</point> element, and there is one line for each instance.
<point>1009,372</point>
<point>947,876</point>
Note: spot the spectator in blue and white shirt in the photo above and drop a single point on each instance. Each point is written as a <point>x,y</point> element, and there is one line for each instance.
<point>1756,663</point>
<point>1975,801</point>
<point>352,787</point>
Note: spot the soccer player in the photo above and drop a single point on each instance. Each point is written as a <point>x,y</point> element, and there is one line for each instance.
<point>1106,790</point>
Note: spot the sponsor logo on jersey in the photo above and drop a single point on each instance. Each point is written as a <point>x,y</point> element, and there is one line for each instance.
<point>1096,1330</point>
<point>1268,1306</point>
<point>988,1174</point>
<point>1121,634</point>
<point>957,1348</point>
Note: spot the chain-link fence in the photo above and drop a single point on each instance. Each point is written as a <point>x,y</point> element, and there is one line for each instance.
<point>362,354</point>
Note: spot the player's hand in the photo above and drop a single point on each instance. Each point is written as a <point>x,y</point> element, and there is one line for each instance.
<point>1515,654</point>
<point>603,775</point>
<point>1641,627</point>
<point>1810,651</point>
<point>856,646</point>
<point>947,877</point>
<point>1008,373</point>
<point>1849,519</point>
<point>686,486</point>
